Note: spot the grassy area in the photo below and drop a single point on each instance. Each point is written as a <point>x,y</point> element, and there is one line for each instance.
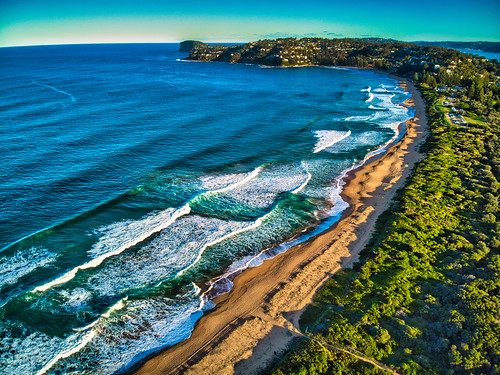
<point>473,119</point>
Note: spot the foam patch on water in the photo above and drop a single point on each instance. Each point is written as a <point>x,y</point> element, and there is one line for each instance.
<point>115,341</point>
<point>176,249</point>
<point>262,191</point>
<point>327,138</point>
<point>381,90</point>
<point>119,339</point>
<point>370,94</point>
<point>360,118</point>
<point>368,139</point>
<point>22,263</point>
<point>23,351</point>
<point>375,108</point>
<point>306,181</point>
<point>255,197</point>
<point>386,113</point>
<point>119,237</point>
<point>125,234</point>
<point>257,223</point>
<point>221,183</point>
<point>75,300</point>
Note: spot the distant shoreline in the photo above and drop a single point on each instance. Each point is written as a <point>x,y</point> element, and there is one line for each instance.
<point>251,322</point>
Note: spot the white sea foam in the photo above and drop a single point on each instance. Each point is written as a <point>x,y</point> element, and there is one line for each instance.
<point>327,138</point>
<point>257,223</point>
<point>145,326</point>
<point>26,351</point>
<point>220,184</point>
<point>116,307</point>
<point>386,113</point>
<point>375,108</point>
<point>121,236</point>
<point>360,118</point>
<point>382,90</point>
<point>386,100</point>
<point>364,140</point>
<point>118,241</point>
<point>128,331</point>
<point>68,352</point>
<point>22,263</point>
<point>125,234</point>
<point>306,181</point>
<point>370,95</point>
<point>175,248</point>
<point>56,90</point>
<point>141,328</point>
<point>75,300</point>
<point>263,190</point>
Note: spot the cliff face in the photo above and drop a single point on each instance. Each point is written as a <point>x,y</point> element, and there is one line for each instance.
<point>189,45</point>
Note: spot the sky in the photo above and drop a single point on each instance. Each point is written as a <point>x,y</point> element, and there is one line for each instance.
<point>34,22</point>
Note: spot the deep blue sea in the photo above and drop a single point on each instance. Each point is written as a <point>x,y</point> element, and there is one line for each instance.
<point>135,185</point>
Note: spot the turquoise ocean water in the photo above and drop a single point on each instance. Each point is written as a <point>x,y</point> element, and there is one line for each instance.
<point>135,185</point>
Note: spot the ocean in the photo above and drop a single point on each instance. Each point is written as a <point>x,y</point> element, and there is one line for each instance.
<point>135,185</point>
<point>488,55</point>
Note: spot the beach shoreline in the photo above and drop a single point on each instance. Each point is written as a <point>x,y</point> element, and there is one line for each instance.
<point>254,322</point>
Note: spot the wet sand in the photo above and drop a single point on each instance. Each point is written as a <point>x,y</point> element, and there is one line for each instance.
<point>254,322</point>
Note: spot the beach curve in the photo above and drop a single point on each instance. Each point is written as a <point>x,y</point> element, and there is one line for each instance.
<point>248,326</point>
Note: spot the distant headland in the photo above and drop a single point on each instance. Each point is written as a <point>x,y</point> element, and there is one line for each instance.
<point>428,64</point>
<point>189,45</point>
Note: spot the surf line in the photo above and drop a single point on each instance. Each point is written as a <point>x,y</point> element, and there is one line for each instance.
<point>67,353</point>
<point>257,223</point>
<point>308,178</point>
<point>184,210</point>
<point>55,89</point>
<point>370,94</point>
<point>327,138</point>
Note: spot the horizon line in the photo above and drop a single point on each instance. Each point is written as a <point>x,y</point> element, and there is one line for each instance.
<point>241,42</point>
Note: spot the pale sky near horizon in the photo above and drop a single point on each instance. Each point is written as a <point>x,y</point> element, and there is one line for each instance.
<point>33,22</point>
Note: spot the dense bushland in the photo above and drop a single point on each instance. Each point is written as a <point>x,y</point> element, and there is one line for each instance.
<point>425,296</point>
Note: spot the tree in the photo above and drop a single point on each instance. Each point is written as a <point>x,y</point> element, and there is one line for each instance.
<point>431,81</point>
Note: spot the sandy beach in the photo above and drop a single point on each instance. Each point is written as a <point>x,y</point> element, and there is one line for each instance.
<point>256,320</point>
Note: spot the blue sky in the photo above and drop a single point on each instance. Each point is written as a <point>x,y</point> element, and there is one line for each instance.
<point>27,22</point>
